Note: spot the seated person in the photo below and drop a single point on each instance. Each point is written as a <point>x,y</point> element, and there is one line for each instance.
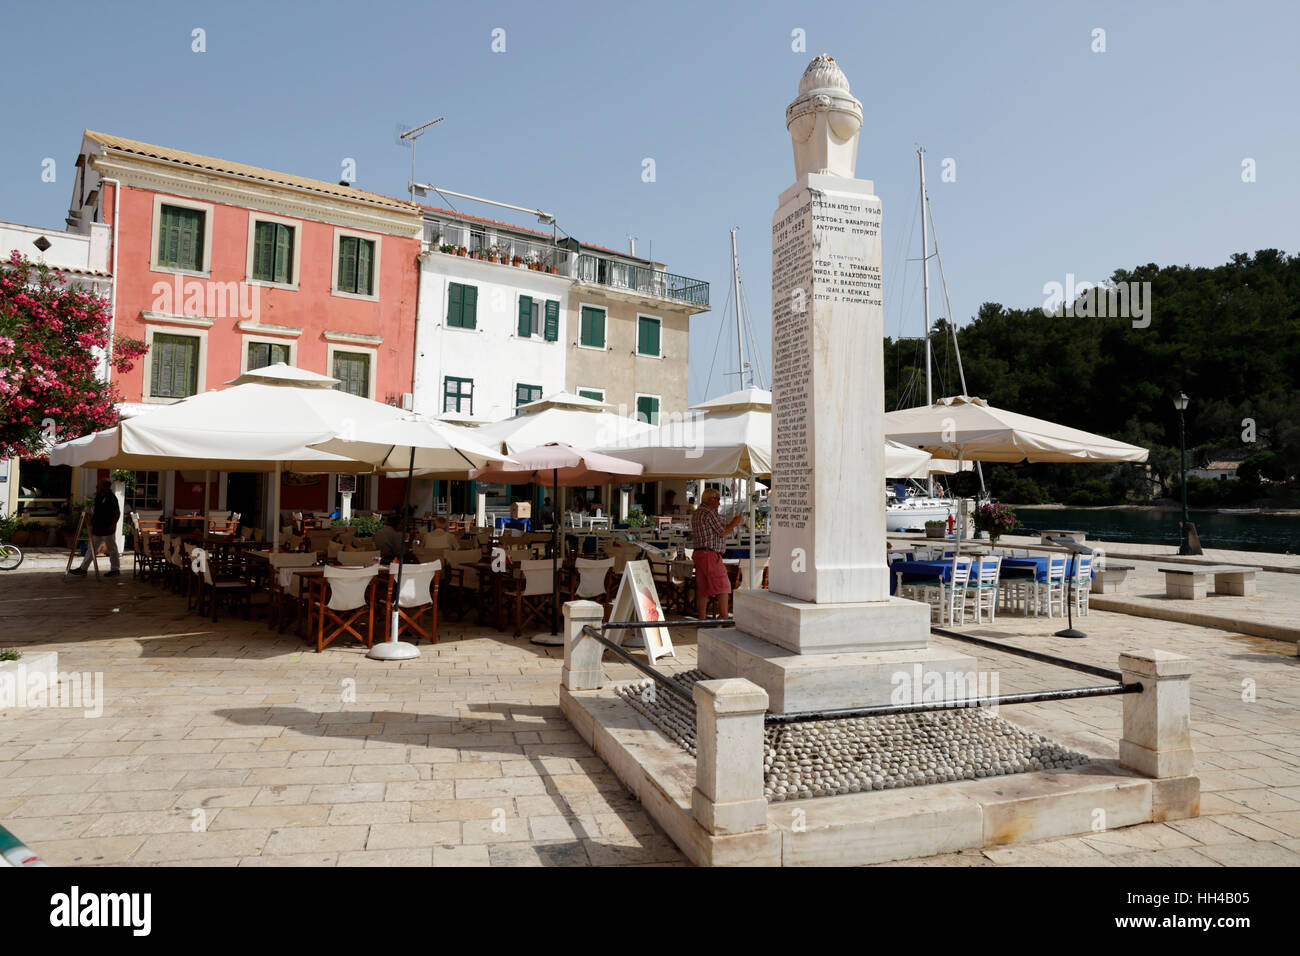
<point>388,539</point>
<point>671,507</point>
<point>439,538</point>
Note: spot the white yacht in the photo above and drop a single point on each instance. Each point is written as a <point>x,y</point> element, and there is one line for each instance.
<point>910,512</point>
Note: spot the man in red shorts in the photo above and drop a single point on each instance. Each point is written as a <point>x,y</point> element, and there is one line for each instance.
<point>708,535</point>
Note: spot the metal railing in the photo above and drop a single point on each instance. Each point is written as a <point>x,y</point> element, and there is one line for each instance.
<point>448,237</point>
<point>884,710</point>
<point>642,279</point>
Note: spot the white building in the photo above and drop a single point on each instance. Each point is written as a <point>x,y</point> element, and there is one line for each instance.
<point>490,335</point>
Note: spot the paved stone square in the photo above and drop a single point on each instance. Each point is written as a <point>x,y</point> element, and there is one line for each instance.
<point>463,758</point>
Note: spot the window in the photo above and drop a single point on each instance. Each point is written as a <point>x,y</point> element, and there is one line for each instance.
<point>529,317</point>
<point>538,318</point>
<point>647,409</point>
<point>180,238</point>
<point>647,335</point>
<point>352,369</point>
<point>592,333</point>
<point>145,492</point>
<point>462,306</point>
<point>527,393</point>
<point>174,366</point>
<point>458,395</point>
<point>262,354</point>
<point>273,252</point>
<point>595,394</point>
<point>356,265</point>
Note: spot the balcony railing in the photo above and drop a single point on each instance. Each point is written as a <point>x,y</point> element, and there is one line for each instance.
<point>642,279</point>
<point>486,244</point>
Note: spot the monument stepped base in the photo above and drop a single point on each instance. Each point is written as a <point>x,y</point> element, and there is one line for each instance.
<point>800,682</point>
<point>874,827</point>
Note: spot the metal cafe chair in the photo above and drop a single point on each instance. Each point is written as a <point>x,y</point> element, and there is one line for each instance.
<point>214,589</point>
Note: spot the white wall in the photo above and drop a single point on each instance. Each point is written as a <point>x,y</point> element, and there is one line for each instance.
<point>68,250</point>
<point>492,354</point>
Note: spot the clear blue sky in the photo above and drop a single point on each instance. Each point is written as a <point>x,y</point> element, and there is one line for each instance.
<point>1067,160</point>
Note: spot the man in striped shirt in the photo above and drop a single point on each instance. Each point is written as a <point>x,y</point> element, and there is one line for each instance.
<point>708,537</point>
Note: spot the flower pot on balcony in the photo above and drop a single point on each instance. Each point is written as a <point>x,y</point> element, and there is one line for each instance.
<point>461,251</point>
<point>517,261</point>
<point>552,270</point>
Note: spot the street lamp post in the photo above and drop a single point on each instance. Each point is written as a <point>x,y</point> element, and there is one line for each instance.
<point>1185,547</point>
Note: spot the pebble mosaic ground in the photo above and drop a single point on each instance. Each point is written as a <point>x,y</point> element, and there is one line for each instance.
<point>832,757</point>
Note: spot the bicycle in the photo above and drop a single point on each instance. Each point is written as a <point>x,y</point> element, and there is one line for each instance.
<point>10,557</point>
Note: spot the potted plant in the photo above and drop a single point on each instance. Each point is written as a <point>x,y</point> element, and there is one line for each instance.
<point>461,251</point>
<point>517,261</point>
<point>995,519</point>
<point>447,247</point>
<point>494,253</point>
<point>935,529</point>
<point>532,262</point>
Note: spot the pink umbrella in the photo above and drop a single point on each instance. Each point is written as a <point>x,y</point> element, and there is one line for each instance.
<point>559,464</point>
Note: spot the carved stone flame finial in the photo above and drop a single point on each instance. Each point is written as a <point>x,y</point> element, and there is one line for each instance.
<point>824,122</point>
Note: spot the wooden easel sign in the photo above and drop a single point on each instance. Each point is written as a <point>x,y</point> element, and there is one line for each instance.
<point>73,553</point>
<point>636,601</point>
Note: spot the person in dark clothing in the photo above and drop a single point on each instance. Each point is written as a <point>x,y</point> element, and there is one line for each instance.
<point>103,530</point>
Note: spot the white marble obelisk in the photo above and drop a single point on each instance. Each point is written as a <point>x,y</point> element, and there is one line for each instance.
<point>826,633</point>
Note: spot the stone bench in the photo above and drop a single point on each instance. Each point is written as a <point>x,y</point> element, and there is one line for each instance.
<point>1110,579</point>
<point>1189,582</point>
<point>1046,536</point>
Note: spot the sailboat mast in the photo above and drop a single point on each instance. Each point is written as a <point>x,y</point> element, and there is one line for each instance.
<point>735,284</point>
<point>925,277</point>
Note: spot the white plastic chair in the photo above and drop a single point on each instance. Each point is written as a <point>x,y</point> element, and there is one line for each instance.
<point>347,604</point>
<point>1081,587</point>
<point>1053,591</point>
<point>985,588</point>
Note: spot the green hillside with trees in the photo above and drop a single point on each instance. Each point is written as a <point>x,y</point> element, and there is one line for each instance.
<point>1228,336</point>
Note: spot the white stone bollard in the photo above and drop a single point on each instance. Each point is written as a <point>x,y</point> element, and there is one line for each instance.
<point>1157,738</point>
<point>582,655</point>
<point>728,795</point>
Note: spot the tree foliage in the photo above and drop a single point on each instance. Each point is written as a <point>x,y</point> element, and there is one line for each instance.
<point>1228,336</point>
<point>52,338</point>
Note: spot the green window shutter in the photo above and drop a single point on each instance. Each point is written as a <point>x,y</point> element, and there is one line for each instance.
<point>647,409</point>
<point>593,328</point>
<point>455,305</point>
<point>175,366</point>
<point>352,369</point>
<point>525,316</point>
<point>471,307</point>
<point>365,267</point>
<point>347,264</point>
<point>282,266</point>
<point>264,251</point>
<point>552,328</point>
<point>180,238</point>
<point>279,353</point>
<point>647,336</point>
<point>592,394</point>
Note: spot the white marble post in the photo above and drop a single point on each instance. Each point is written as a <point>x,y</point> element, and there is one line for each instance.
<point>1157,738</point>
<point>728,795</point>
<point>582,655</point>
<point>826,633</point>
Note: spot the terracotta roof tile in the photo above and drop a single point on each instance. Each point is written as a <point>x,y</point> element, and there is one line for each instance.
<point>247,172</point>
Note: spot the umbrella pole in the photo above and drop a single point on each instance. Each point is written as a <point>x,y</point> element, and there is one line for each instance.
<point>207,477</point>
<point>393,649</point>
<point>555,554</point>
<point>275,511</point>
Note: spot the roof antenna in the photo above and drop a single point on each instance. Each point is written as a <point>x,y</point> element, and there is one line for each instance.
<point>410,136</point>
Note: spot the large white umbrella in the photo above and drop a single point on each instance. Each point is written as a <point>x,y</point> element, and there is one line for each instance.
<point>263,422</point>
<point>409,441</point>
<point>560,464</point>
<point>561,417</point>
<point>970,429</point>
<point>966,428</point>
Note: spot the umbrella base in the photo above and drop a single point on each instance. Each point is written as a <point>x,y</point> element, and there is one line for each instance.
<point>393,651</point>
<point>1070,632</point>
<point>548,640</point>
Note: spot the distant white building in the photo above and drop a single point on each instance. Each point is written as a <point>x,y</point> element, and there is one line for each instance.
<point>1216,471</point>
